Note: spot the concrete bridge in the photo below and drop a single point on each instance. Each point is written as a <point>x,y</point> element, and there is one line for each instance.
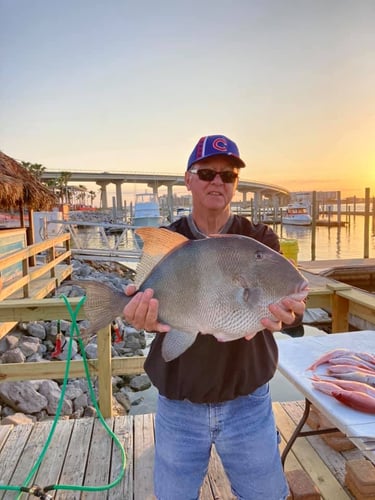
<point>154,181</point>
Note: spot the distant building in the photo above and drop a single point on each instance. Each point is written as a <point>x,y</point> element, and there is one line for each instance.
<point>322,197</point>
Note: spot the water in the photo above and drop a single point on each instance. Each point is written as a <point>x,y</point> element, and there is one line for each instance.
<point>331,243</point>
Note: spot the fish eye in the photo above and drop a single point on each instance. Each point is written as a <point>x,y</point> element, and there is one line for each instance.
<point>246,294</point>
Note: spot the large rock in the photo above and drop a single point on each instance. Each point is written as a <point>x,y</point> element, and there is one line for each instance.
<point>52,392</point>
<point>140,382</point>
<point>16,419</point>
<point>22,396</point>
<point>13,356</point>
<point>37,329</point>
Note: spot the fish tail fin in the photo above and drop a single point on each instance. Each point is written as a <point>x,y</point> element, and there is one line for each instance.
<point>175,343</point>
<point>103,304</point>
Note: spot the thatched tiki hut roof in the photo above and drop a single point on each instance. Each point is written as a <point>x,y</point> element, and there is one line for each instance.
<point>19,188</point>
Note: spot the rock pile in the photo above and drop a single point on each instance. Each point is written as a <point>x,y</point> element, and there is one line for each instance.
<point>48,340</point>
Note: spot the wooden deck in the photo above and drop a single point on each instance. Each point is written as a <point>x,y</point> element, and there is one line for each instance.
<point>81,452</point>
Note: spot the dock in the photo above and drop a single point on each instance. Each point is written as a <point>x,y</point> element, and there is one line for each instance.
<point>358,273</point>
<point>82,453</point>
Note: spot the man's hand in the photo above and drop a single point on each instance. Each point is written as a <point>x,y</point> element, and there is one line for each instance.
<point>142,311</point>
<point>284,312</point>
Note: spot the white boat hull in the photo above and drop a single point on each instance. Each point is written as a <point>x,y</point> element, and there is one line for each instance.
<point>297,222</point>
<point>147,221</point>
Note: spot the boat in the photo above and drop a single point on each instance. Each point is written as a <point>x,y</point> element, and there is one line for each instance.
<point>297,214</point>
<point>146,210</point>
<point>181,212</point>
<point>146,213</point>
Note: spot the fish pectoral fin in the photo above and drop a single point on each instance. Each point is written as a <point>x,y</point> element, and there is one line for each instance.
<point>175,343</point>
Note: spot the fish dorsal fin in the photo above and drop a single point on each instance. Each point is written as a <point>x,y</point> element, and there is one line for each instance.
<point>157,242</point>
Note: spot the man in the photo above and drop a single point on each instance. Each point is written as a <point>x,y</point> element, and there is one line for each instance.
<point>215,392</point>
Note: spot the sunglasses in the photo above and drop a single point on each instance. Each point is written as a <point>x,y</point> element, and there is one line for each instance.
<point>207,174</point>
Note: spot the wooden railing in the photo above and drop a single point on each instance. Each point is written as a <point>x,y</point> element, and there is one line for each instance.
<point>104,367</point>
<point>39,269</point>
<point>341,300</point>
<point>346,304</point>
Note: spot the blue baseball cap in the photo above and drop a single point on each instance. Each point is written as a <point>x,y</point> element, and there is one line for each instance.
<point>213,145</point>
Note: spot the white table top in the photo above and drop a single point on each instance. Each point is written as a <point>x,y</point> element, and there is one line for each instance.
<point>297,354</point>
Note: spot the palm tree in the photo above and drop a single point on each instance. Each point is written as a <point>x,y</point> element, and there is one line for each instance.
<point>35,168</point>
<point>82,195</point>
<point>92,197</point>
<point>62,183</point>
<point>51,183</point>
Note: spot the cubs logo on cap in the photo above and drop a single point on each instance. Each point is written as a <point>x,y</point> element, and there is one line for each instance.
<point>213,145</point>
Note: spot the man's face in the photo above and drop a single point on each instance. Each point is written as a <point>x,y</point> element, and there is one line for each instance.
<point>212,194</point>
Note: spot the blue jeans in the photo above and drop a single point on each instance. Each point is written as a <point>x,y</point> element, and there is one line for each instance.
<point>245,437</point>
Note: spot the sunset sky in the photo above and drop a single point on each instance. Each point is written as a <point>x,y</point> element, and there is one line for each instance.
<point>125,85</point>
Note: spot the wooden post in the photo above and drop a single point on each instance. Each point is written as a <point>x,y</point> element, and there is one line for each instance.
<point>25,272</point>
<point>31,235</point>
<point>338,200</point>
<point>340,314</point>
<point>366,230</point>
<point>105,371</point>
<point>313,227</point>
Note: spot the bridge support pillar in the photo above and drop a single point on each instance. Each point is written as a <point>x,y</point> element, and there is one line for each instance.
<point>257,203</point>
<point>170,201</point>
<point>103,190</point>
<point>119,195</point>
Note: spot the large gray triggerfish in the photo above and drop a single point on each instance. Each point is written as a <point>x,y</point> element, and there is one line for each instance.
<point>221,286</point>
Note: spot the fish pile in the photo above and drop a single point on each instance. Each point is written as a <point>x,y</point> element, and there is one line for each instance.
<point>349,378</point>
<point>221,285</point>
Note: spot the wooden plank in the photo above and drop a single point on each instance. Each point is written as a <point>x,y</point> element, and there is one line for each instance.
<point>143,457</point>
<point>218,480</point>
<point>206,491</point>
<point>332,458</point>
<point>5,430</point>
<point>37,309</point>
<point>10,455</point>
<point>38,271</point>
<point>50,468</point>
<point>358,296</point>
<point>31,250</point>
<point>44,370</point>
<point>98,463</point>
<point>124,431</point>
<point>325,481</point>
<point>366,313</point>
<point>11,372</point>
<point>38,289</point>
<point>105,371</point>
<point>32,448</point>
<point>340,314</point>
<point>282,423</point>
<point>81,452</point>
<point>76,457</point>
